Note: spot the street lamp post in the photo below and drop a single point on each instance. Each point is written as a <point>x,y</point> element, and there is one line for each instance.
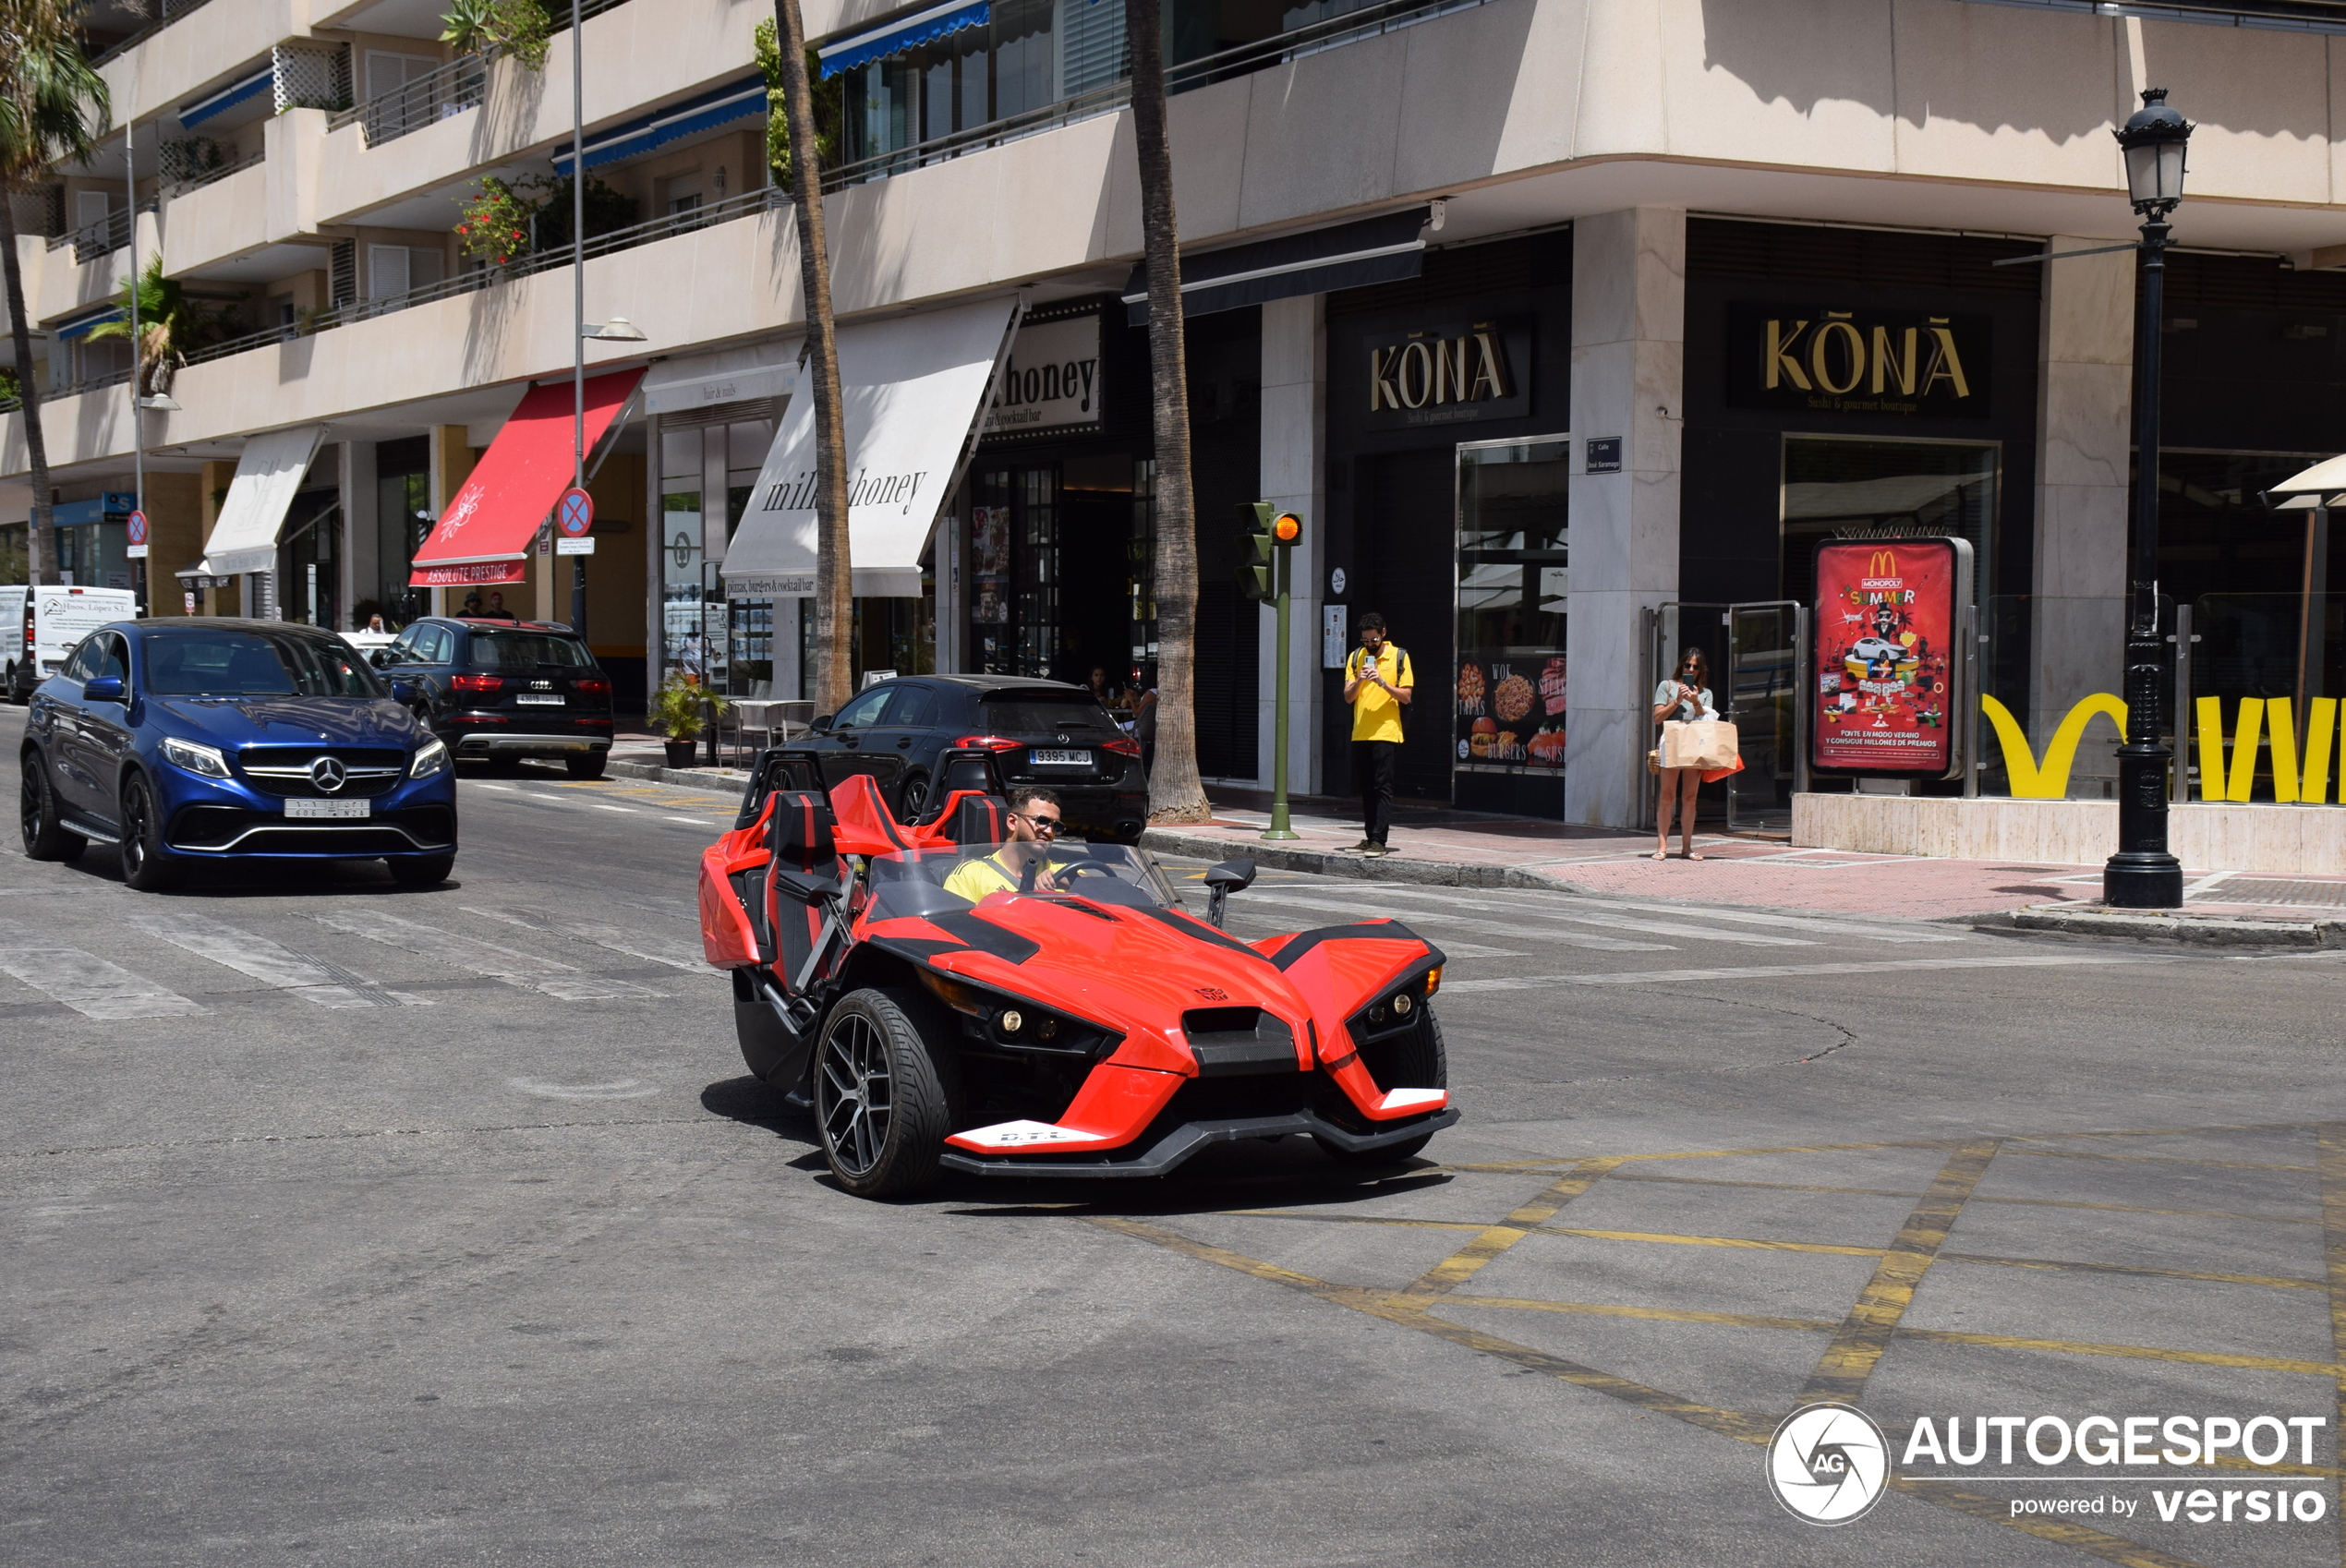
<point>2143,875</point>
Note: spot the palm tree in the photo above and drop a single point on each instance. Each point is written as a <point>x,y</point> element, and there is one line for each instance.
<point>170,323</point>
<point>834,568</point>
<point>1175,792</point>
<point>51,106</point>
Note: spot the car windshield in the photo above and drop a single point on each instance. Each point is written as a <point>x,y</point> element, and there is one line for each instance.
<point>526,650</point>
<point>920,882</point>
<point>1046,713</point>
<point>254,664</point>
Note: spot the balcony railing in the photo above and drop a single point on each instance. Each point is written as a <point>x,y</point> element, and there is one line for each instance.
<point>161,14</point>
<point>1391,16</point>
<point>95,242</point>
<point>212,177</point>
<point>2308,15</point>
<point>749,203</point>
<point>459,85</point>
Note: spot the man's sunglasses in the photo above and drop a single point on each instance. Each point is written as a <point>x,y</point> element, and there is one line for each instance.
<point>1049,825</point>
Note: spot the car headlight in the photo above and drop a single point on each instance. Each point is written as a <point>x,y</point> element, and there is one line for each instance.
<point>429,758</point>
<point>208,761</point>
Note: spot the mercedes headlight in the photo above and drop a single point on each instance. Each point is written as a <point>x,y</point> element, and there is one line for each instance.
<point>208,761</point>
<point>430,758</point>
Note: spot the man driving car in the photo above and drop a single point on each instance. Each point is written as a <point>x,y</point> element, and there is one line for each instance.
<point>1035,827</point>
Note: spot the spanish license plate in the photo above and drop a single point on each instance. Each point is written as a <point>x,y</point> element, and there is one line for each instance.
<point>1062,759</point>
<point>539,699</point>
<point>300,806</point>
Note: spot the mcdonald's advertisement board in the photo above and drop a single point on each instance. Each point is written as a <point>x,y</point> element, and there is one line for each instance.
<point>1888,671</point>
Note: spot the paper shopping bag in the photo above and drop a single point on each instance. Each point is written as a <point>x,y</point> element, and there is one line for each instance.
<point>1712,775</point>
<point>1701,742</point>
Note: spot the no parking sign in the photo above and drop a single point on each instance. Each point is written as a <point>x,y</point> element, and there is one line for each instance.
<point>574,516</point>
<point>136,536</point>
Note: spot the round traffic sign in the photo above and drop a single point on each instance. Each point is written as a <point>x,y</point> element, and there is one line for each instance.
<point>138,528</point>
<point>574,514</point>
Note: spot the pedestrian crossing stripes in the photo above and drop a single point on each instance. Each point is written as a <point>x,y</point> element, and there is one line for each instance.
<point>276,966</point>
<point>84,982</point>
<point>635,944</point>
<point>1773,971</point>
<point>474,956</point>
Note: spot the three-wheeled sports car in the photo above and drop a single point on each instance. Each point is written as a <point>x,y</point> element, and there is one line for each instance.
<point>1076,1023</point>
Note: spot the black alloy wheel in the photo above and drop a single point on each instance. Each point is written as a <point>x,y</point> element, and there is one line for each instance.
<point>1420,1061</point>
<point>45,838</point>
<point>912,798</point>
<point>147,866</point>
<point>883,1097</point>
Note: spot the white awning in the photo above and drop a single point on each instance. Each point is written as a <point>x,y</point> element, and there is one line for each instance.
<point>245,538</point>
<point>913,389</point>
<point>2322,485</point>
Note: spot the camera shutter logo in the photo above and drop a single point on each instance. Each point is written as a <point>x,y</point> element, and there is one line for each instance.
<point>1828,1463</point>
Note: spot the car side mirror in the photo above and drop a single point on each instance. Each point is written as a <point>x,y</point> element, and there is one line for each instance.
<point>402,691</point>
<point>822,725</point>
<point>103,689</point>
<point>1221,881</point>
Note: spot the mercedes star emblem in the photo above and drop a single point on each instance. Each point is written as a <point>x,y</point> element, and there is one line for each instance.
<point>328,773</point>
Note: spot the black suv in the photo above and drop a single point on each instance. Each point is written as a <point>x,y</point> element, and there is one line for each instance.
<point>1039,733</point>
<point>499,691</point>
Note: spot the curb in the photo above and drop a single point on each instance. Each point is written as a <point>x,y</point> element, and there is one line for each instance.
<point>2206,931</point>
<point>1386,868</point>
<point>714,780</point>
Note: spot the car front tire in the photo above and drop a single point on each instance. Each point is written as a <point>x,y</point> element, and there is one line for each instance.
<point>1421,1061</point>
<point>884,1093</point>
<point>589,765</point>
<point>422,871</point>
<point>147,864</point>
<point>45,838</point>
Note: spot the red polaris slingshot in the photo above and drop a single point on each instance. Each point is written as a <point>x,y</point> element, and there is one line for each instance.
<point>1080,1024</point>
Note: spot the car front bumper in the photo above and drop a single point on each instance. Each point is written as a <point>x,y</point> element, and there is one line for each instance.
<point>1191,1138</point>
<point>215,819</point>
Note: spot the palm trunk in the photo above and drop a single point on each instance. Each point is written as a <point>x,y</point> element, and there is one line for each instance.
<point>41,556</point>
<point>1174,793</point>
<point>834,564</point>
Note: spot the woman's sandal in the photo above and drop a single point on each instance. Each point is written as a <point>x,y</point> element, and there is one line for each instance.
<point>1660,854</point>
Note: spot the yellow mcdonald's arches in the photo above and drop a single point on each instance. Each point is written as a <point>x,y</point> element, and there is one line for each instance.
<point>2049,782</point>
<point>2309,784</point>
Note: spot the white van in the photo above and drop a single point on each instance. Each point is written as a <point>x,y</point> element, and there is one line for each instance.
<point>40,626</point>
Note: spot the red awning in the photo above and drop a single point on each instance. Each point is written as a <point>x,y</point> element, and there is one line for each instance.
<point>484,534</point>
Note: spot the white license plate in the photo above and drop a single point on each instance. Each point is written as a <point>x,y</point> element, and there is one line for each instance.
<point>539,699</point>
<point>1062,759</point>
<point>302,806</point>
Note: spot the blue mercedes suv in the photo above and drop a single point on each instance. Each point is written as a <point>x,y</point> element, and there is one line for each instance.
<point>217,740</point>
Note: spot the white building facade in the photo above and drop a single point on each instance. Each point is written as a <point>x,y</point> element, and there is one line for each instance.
<point>1570,325</point>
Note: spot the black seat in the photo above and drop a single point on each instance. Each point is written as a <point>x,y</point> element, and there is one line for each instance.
<point>807,866</point>
<point>798,835</point>
<point>978,819</point>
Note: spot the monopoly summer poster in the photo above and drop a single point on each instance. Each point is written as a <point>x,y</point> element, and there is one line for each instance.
<point>1885,629</point>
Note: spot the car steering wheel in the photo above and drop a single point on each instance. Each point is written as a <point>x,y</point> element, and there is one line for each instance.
<point>1075,868</point>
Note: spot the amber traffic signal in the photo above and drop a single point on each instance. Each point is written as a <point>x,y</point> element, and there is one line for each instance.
<point>1266,531</point>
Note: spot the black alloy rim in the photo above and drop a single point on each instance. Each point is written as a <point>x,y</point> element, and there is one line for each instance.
<point>134,829</point>
<point>915,797</point>
<point>853,1094</point>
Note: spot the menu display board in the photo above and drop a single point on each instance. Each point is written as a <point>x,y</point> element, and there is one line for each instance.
<point>1886,667</point>
<point>1510,710</point>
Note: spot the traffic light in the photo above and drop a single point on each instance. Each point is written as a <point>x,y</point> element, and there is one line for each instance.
<point>1266,531</point>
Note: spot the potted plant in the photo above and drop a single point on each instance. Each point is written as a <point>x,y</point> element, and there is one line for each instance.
<point>680,710</point>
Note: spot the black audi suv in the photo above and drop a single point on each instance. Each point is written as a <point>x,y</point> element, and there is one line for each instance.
<point>499,691</point>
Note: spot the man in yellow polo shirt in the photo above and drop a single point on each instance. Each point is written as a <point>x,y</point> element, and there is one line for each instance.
<point>1035,827</point>
<point>1377,682</point>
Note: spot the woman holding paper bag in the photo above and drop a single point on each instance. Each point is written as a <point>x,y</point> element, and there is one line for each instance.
<point>1686,695</point>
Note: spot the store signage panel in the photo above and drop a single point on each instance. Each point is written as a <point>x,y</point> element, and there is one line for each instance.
<point>1820,359</point>
<point>1887,675</point>
<point>1052,379</point>
<point>1449,374</point>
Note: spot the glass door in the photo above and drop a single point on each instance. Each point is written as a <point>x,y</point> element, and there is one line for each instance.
<point>1512,588</point>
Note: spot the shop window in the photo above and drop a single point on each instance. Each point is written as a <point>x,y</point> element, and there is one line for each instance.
<point>1513,579</point>
<point>680,553</point>
<point>1836,486</point>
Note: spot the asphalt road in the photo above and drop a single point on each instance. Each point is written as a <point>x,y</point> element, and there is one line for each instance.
<point>351,1224</point>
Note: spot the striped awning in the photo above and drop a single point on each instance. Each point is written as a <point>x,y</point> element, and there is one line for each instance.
<point>739,99</point>
<point>906,32</point>
<point>227,98</point>
<point>82,327</point>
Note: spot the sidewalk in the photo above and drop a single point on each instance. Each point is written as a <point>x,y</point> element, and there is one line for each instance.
<point>1435,844</point>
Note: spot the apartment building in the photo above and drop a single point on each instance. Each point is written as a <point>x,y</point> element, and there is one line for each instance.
<point>1571,326</point>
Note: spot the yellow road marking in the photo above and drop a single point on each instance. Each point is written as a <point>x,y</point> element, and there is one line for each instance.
<point>1657,1314</point>
<point>1717,1241</point>
<point>2129,1352</point>
<point>1977,1198</point>
<point>2272,1281</point>
<point>1462,1265</point>
<point>2155,1160</point>
<point>1850,1359</point>
<point>2083,1537</point>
